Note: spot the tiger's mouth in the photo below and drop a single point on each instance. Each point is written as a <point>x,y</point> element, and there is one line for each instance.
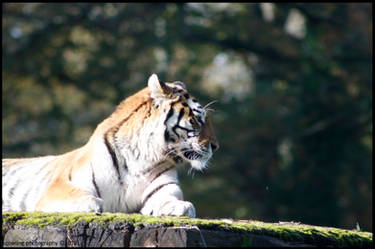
<point>192,155</point>
<point>198,160</point>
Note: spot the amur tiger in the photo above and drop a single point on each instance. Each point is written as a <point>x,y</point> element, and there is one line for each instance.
<point>129,163</point>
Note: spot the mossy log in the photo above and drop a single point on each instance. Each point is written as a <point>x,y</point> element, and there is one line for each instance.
<point>134,230</point>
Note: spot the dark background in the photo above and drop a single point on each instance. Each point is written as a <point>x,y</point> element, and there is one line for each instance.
<point>293,84</point>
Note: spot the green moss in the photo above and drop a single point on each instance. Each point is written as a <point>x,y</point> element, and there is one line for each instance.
<point>284,231</point>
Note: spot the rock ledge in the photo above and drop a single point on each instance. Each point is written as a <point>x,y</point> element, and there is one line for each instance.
<point>27,229</point>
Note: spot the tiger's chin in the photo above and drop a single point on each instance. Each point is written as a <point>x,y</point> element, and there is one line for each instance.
<point>198,161</point>
<point>198,164</point>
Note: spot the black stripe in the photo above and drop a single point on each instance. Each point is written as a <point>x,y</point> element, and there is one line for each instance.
<point>11,190</point>
<point>113,156</point>
<point>162,172</point>
<point>94,182</point>
<point>10,195</point>
<point>200,121</point>
<point>190,112</point>
<point>167,137</point>
<point>117,127</point>
<point>42,174</point>
<point>150,169</point>
<point>169,115</point>
<point>22,205</point>
<point>181,84</point>
<point>197,110</point>
<point>41,186</point>
<point>70,174</point>
<point>125,166</point>
<point>5,175</point>
<point>174,130</point>
<point>157,189</point>
<point>180,115</point>
<point>113,131</point>
<point>182,128</point>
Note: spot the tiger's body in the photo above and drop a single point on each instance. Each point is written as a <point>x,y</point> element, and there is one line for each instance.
<point>128,165</point>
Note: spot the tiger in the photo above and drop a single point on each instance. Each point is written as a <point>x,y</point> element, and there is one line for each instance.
<point>129,163</point>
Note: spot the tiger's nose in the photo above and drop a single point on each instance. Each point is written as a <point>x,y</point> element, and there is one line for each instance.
<point>214,146</point>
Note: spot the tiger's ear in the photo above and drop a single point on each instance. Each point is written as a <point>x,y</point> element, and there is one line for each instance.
<point>158,88</point>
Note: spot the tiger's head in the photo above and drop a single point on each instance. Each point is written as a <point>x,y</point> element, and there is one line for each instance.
<point>188,133</point>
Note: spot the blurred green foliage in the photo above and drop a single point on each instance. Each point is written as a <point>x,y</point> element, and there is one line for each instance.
<point>293,83</point>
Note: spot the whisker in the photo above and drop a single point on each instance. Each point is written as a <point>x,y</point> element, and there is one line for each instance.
<point>191,172</point>
<point>209,110</point>
<point>210,103</point>
<point>170,152</point>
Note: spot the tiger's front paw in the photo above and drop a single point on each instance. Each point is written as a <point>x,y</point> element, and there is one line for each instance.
<point>177,208</point>
<point>85,203</point>
<point>90,204</point>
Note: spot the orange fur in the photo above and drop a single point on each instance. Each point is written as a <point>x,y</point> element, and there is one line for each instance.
<point>59,190</point>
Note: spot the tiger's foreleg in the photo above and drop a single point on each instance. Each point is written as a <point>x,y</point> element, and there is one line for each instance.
<point>64,197</point>
<point>166,199</point>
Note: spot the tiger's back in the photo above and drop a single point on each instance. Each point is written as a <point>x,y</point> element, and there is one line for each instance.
<point>129,163</point>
